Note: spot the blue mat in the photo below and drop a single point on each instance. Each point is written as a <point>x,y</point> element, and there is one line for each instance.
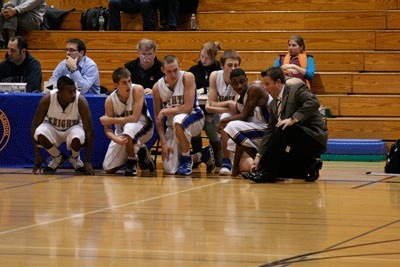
<point>356,147</point>
<point>367,158</point>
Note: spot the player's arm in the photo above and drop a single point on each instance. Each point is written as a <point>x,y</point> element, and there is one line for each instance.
<point>157,105</point>
<point>87,123</point>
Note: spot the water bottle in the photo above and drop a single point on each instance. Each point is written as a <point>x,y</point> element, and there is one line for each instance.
<point>101,23</point>
<point>193,23</point>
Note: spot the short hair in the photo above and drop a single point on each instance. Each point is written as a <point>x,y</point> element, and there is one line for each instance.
<point>299,40</point>
<point>80,43</point>
<point>168,59</point>
<point>237,72</point>
<point>233,54</point>
<point>211,49</point>
<point>21,42</point>
<point>64,81</point>
<point>120,73</point>
<point>146,44</point>
<point>274,73</point>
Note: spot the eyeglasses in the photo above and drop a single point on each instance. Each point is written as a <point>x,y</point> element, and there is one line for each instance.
<point>143,54</point>
<point>71,50</point>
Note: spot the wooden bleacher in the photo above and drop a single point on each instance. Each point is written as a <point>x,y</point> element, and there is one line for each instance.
<point>354,44</point>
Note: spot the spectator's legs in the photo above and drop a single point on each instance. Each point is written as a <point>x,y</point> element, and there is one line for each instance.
<point>148,8</point>
<point>114,9</point>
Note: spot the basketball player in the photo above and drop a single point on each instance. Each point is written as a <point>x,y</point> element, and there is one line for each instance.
<point>175,100</point>
<point>246,128</point>
<point>126,109</point>
<point>63,116</point>
<point>220,102</point>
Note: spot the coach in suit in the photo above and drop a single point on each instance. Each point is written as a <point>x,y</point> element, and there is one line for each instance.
<point>296,135</point>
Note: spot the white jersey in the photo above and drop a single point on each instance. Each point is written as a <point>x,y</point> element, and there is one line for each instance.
<point>125,109</point>
<point>225,92</point>
<point>175,98</point>
<point>260,114</point>
<point>62,119</point>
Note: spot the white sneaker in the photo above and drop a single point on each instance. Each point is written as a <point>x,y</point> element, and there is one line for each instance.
<point>54,164</point>
<point>76,163</point>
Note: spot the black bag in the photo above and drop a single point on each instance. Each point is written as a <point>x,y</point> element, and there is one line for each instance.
<point>90,18</point>
<point>53,18</point>
<point>393,158</point>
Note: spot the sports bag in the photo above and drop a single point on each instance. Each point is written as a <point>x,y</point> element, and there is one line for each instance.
<point>90,18</point>
<point>393,158</point>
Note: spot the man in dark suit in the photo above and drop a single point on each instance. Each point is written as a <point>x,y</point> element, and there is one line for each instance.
<point>296,135</point>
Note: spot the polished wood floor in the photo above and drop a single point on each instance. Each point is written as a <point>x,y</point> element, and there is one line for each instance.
<point>346,218</point>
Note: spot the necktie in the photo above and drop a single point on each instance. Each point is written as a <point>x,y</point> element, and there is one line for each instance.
<point>279,108</point>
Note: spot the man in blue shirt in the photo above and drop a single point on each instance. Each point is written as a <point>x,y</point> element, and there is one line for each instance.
<point>80,68</point>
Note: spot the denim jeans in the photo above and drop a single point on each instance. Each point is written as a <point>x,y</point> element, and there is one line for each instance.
<point>146,7</point>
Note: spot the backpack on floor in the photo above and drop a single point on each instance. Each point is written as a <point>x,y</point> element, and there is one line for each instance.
<point>393,158</point>
<point>90,18</point>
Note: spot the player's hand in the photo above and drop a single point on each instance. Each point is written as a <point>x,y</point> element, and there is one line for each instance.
<point>148,91</point>
<point>88,169</point>
<point>39,161</point>
<point>105,120</point>
<point>121,140</point>
<point>166,151</point>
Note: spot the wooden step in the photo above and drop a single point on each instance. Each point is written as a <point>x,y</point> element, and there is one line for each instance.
<point>259,20</point>
<point>254,5</point>
<point>364,128</point>
<point>189,40</point>
<point>376,83</point>
<point>361,105</point>
<point>369,106</point>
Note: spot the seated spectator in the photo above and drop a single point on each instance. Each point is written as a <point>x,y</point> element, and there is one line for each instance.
<point>80,68</point>
<point>126,111</point>
<point>202,71</point>
<point>20,15</point>
<point>146,68</point>
<point>296,64</point>
<point>21,66</point>
<point>246,128</point>
<point>169,13</point>
<point>146,7</point>
<point>296,135</point>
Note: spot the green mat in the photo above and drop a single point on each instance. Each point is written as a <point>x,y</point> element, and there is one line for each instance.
<point>338,157</point>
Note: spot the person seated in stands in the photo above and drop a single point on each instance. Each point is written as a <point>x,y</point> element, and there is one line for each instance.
<point>175,100</point>
<point>205,66</point>
<point>221,102</point>
<point>297,65</point>
<point>126,110</point>
<point>246,128</point>
<point>20,66</point>
<point>146,7</point>
<point>79,67</point>
<point>146,68</point>
<point>170,10</point>
<point>63,115</point>
<point>20,15</point>
<point>296,135</point>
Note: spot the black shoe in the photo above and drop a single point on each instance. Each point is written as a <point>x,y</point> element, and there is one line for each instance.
<point>313,172</point>
<point>145,160</point>
<point>261,177</point>
<point>247,175</point>
<point>130,167</point>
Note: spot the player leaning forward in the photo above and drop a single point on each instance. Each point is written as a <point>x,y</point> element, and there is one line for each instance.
<point>63,116</point>
<point>175,100</point>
